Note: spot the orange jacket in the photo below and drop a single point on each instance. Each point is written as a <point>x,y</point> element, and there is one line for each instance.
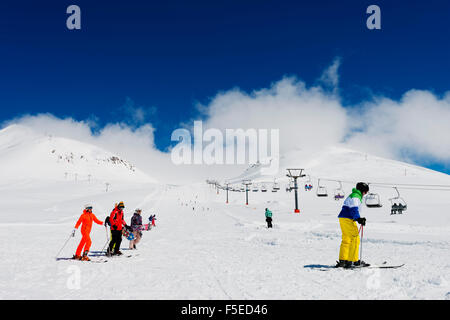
<point>86,219</point>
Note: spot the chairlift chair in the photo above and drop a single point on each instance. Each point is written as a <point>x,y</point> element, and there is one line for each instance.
<point>321,190</point>
<point>398,204</point>
<point>308,184</point>
<point>373,200</point>
<point>255,188</point>
<point>275,187</point>
<point>263,188</point>
<point>339,193</point>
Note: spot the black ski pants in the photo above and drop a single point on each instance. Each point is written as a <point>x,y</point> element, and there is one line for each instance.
<point>116,240</point>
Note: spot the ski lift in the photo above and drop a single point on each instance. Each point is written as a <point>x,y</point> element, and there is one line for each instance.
<point>373,200</point>
<point>321,190</point>
<point>255,188</point>
<point>275,187</point>
<point>308,184</point>
<point>263,188</point>
<point>339,193</point>
<point>398,204</point>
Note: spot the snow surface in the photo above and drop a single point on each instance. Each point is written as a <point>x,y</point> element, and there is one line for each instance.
<point>203,248</point>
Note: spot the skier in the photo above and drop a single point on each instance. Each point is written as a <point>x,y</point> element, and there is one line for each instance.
<point>152,219</point>
<point>136,225</point>
<point>348,254</point>
<point>86,219</point>
<point>269,218</point>
<point>117,223</point>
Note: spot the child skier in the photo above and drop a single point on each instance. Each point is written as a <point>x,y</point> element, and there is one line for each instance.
<point>86,220</point>
<point>117,223</point>
<point>348,254</point>
<point>136,225</point>
<point>269,218</point>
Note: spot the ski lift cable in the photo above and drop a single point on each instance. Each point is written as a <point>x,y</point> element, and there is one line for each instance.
<point>402,185</point>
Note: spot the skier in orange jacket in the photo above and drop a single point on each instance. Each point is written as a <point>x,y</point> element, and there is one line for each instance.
<point>86,220</point>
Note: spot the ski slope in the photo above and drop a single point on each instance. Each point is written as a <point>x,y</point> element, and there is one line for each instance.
<point>203,248</point>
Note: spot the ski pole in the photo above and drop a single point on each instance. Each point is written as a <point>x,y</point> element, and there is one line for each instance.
<point>63,246</point>
<point>362,236</point>
<point>107,238</point>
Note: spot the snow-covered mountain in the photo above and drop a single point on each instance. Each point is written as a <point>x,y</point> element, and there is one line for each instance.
<point>28,155</point>
<point>344,164</point>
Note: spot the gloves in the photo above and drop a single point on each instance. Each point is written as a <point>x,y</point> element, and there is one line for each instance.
<point>128,228</point>
<point>73,232</point>
<point>107,223</point>
<point>361,221</point>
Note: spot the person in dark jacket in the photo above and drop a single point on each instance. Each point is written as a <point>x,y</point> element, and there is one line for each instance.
<point>136,225</point>
<point>268,214</point>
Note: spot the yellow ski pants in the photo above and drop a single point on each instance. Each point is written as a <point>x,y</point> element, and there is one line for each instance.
<point>350,240</point>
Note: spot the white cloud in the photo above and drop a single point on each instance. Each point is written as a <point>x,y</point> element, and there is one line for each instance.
<point>306,117</point>
<point>414,128</point>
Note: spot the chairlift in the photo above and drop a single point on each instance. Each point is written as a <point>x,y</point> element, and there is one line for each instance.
<point>308,184</point>
<point>373,200</point>
<point>255,188</point>
<point>339,193</point>
<point>263,188</point>
<point>398,204</point>
<point>321,190</point>
<point>275,187</point>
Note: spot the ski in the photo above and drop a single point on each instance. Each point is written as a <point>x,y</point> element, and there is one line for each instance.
<point>91,260</point>
<point>383,265</point>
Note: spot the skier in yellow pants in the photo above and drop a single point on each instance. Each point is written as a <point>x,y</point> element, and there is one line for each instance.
<point>349,215</point>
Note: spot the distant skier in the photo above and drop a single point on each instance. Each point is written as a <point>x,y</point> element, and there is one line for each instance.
<point>349,251</point>
<point>85,220</point>
<point>117,223</point>
<point>268,218</point>
<point>136,225</point>
<point>152,219</point>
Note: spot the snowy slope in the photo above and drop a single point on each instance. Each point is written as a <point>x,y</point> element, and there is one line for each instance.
<point>27,155</point>
<point>203,248</point>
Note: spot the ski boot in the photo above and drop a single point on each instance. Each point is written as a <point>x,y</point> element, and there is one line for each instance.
<point>108,252</point>
<point>360,264</point>
<point>343,264</point>
<point>85,256</point>
<point>76,257</point>
<point>118,253</point>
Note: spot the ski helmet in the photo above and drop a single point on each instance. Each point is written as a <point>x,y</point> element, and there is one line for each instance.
<point>362,186</point>
<point>120,205</point>
<point>88,207</point>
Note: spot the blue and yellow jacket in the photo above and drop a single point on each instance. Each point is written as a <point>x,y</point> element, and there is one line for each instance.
<point>351,207</point>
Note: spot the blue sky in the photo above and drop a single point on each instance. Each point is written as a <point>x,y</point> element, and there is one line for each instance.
<point>167,56</point>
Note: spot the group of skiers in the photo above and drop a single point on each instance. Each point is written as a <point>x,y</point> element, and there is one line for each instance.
<point>348,217</point>
<point>118,226</point>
